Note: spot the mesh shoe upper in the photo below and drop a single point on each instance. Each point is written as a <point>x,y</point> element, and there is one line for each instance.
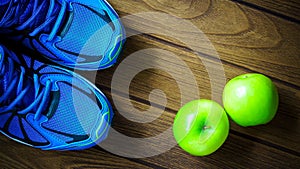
<point>49,107</point>
<point>73,33</point>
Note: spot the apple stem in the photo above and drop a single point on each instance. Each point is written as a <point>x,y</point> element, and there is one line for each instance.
<point>206,127</point>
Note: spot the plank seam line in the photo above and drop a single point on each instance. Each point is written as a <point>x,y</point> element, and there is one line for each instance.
<point>139,161</point>
<point>260,141</point>
<point>146,163</point>
<point>253,6</point>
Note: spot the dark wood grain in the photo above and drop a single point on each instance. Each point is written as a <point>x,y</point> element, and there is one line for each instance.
<point>236,152</point>
<point>287,9</point>
<point>15,155</point>
<point>249,38</point>
<point>282,127</point>
<point>242,36</point>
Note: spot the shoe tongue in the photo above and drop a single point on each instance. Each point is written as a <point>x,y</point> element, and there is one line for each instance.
<point>3,7</point>
<point>29,98</point>
<point>26,10</point>
<point>4,2</point>
<point>3,83</point>
<point>3,86</point>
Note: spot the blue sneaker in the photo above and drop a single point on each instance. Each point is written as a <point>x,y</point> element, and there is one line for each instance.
<point>48,107</point>
<point>80,34</point>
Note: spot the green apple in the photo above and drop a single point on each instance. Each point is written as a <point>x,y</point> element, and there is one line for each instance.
<point>201,127</point>
<point>250,99</point>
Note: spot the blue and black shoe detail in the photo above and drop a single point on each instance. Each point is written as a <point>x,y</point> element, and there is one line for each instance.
<point>49,107</point>
<point>78,34</point>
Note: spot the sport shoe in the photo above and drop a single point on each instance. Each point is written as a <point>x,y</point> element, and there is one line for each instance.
<point>48,107</point>
<point>80,34</point>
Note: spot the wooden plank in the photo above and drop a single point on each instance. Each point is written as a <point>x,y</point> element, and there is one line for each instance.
<point>282,131</point>
<point>242,36</point>
<point>237,152</point>
<point>289,8</point>
<point>15,155</point>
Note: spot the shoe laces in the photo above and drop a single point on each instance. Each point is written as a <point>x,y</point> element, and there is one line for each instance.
<point>39,6</point>
<point>17,80</point>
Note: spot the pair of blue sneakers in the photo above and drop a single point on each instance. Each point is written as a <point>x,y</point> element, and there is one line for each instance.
<point>46,105</point>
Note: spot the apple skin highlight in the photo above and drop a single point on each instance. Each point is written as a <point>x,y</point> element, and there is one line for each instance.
<point>201,127</point>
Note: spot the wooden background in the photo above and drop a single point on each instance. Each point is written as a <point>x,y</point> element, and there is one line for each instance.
<point>250,36</point>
